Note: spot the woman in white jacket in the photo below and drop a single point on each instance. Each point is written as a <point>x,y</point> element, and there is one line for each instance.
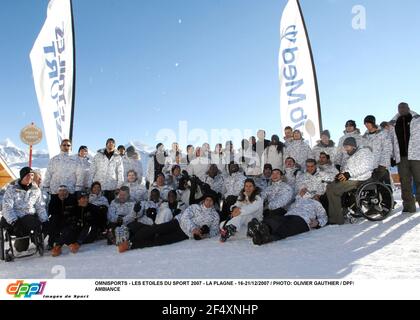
<point>273,154</point>
<point>248,207</point>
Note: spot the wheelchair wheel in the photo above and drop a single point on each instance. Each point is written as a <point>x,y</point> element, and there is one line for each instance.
<point>374,201</point>
<point>2,256</point>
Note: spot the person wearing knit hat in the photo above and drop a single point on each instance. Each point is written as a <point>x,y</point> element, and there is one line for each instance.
<point>25,210</point>
<point>350,141</point>
<point>351,123</point>
<point>406,153</point>
<point>325,145</point>
<point>351,130</point>
<point>370,119</point>
<point>326,133</point>
<point>107,168</point>
<point>380,143</point>
<point>24,171</point>
<point>357,168</point>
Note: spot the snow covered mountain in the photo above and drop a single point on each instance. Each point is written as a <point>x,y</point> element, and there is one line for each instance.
<point>18,158</point>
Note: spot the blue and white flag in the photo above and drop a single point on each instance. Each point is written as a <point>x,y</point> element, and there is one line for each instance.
<point>299,99</point>
<point>52,62</point>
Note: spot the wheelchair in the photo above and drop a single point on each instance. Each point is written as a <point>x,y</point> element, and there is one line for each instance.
<point>8,239</point>
<point>372,200</point>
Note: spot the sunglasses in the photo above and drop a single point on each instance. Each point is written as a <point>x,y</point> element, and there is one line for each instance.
<point>66,145</point>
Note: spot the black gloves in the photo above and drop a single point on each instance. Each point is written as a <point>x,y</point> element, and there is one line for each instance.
<point>176,212</point>
<point>393,162</point>
<point>151,213</point>
<point>203,231</point>
<point>347,175</point>
<point>137,207</point>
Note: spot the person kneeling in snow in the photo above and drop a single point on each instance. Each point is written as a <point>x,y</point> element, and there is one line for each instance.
<point>249,206</point>
<point>197,221</point>
<point>82,225</point>
<point>304,215</point>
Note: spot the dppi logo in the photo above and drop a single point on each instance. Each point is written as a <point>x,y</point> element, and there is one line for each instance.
<point>27,290</point>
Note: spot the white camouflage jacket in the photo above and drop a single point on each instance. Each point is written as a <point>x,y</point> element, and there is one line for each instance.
<point>380,144</point>
<point>120,209</point>
<point>314,183</point>
<point>98,200</point>
<point>413,144</point>
<point>273,157</point>
<point>141,215</point>
<point>341,155</point>
<point>132,164</point>
<point>278,195</point>
<point>109,173</point>
<point>290,176</point>
<point>360,165</point>
<point>18,203</point>
<point>308,209</point>
<point>196,216</point>
<point>216,183</point>
<point>298,150</point>
<point>138,191</point>
<point>63,169</point>
<point>234,184</point>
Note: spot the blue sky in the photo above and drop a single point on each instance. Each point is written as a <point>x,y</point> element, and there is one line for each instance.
<point>146,65</point>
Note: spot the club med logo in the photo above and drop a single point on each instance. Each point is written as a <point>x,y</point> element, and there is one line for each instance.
<point>27,290</point>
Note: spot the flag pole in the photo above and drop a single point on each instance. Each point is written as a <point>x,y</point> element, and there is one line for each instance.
<point>74,74</point>
<point>313,67</point>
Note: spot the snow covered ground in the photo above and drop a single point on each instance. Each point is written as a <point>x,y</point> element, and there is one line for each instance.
<point>383,250</point>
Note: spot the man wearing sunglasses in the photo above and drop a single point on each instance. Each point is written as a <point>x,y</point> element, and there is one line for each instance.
<point>63,169</point>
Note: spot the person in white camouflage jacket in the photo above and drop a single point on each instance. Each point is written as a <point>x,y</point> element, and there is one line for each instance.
<point>138,191</point>
<point>380,144</point>
<point>277,196</point>
<point>63,169</point>
<point>197,222</point>
<point>107,168</point>
<point>358,168</point>
<point>298,149</point>
<point>303,215</point>
<point>350,131</point>
<point>312,183</point>
<point>23,208</point>
<point>325,145</point>
<point>406,135</point>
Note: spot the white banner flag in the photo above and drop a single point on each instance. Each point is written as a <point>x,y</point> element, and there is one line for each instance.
<point>299,101</point>
<point>52,62</point>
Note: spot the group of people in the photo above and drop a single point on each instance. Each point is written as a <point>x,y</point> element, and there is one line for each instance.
<point>268,189</point>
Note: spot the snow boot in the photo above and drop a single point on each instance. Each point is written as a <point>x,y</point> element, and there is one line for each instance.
<point>226,232</point>
<point>121,234</point>
<point>262,235</point>
<point>252,227</point>
<point>74,247</point>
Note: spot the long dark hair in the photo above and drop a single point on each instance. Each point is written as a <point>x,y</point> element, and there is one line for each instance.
<point>253,195</point>
<point>277,143</point>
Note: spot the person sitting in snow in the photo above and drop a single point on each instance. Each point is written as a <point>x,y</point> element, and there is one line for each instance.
<point>82,225</point>
<point>303,215</point>
<point>248,206</point>
<point>197,222</point>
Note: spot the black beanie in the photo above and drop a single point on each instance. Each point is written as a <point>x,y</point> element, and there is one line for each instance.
<point>351,123</point>
<point>370,119</point>
<point>326,133</point>
<point>24,171</point>
<point>350,141</point>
